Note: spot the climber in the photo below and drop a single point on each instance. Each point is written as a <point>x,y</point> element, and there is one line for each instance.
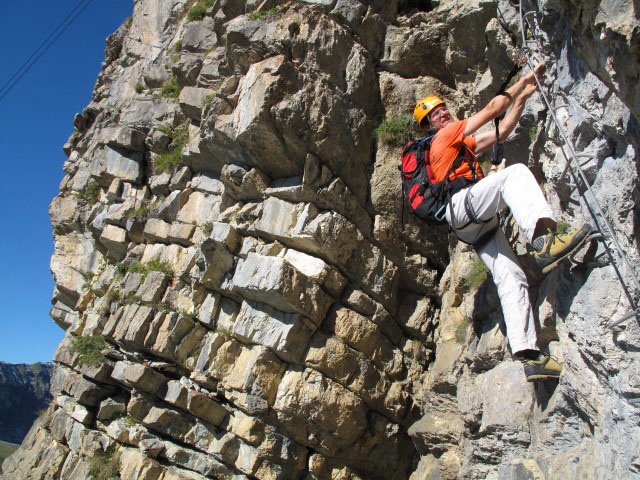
<point>473,202</point>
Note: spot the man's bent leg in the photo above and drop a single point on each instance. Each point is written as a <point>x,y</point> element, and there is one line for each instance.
<point>513,291</point>
<point>517,188</point>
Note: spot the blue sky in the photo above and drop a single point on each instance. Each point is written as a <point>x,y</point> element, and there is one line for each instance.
<point>35,121</point>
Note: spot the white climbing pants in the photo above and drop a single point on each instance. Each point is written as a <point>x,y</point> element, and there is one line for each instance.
<point>515,187</point>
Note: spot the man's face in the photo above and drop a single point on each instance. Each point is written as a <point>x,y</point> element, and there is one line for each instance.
<point>439,117</point>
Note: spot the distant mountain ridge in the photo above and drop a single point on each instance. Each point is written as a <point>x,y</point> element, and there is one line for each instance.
<point>24,391</point>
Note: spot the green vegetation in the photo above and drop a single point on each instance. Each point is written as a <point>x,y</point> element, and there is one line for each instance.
<point>90,349</point>
<point>176,47</point>
<point>396,130</point>
<point>224,331</point>
<point>141,213</point>
<point>208,99</point>
<point>460,331</point>
<point>105,465</point>
<point>265,15</point>
<point>170,161</point>
<point>207,228</point>
<point>131,421</point>
<point>90,193</point>
<point>562,228</point>
<point>196,13</point>
<point>154,265</point>
<point>114,295</point>
<point>6,449</point>
<point>139,86</point>
<point>171,90</point>
<point>362,356</point>
<point>199,11</point>
<point>533,133</point>
<point>477,276</point>
<point>132,299</point>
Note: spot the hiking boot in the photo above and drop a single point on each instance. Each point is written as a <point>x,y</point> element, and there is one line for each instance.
<point>551,249</point>
<point>543,368</point>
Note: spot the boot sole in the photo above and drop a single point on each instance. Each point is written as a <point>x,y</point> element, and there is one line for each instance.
<point>554,264</point>
<point>542,376</point>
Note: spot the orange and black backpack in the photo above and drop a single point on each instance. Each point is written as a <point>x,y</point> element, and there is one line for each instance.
<point>428,199</point>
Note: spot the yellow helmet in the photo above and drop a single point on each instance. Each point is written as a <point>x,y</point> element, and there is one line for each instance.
<point>424,107</point>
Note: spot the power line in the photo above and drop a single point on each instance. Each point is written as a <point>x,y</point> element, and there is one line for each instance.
<point>44,46</point>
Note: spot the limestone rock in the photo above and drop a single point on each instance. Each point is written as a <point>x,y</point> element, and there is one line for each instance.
<point>276,282</point>
<point>268,296</point>
<point>286,333</point>
<point>318,412</point>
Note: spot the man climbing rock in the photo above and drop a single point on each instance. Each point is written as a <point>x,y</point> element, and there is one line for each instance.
<point>474,200</point>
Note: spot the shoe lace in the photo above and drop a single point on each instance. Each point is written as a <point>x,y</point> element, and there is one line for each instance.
<point>553,236</point>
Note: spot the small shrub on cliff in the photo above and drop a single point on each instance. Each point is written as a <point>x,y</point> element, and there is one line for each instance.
<point>265,14</point>
<point>170,161</point>
<point>90,193</point>
<point>141,213</point>
<point>132,299</point>
<point>90,349</point>
<point>105,465</point>
<point>171,90</point>
<point>396,130</point>
<point>114,295</point>
<point>196,13</point>
<point>139,86</point>
<point>207,228</point>
<point>477,276</point>
<point>156,265</point>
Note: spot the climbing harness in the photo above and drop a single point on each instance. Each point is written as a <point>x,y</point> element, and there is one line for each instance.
<point>603,230</point>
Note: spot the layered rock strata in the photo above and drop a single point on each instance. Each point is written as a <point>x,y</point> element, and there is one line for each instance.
<point>230,228</point>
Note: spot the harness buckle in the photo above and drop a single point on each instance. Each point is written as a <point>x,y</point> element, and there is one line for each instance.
<point>441,213</point>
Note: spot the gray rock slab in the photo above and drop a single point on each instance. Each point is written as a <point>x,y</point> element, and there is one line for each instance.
<point>287,334</point>
<point>277,283</point>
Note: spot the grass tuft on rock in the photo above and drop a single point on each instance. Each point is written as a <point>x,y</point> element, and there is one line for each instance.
<point>90,350</point>
<point>199,11</point>
<point>90,193</point>
<point>265,14</point>
<point>170,161</point>
<point>171,90</point>
<point>105,465</point>
<point>196,13</point>
<point>477,276</point>
<point>396,130</point>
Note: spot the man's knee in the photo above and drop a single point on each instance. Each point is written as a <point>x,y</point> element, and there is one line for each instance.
<point>518,169</point>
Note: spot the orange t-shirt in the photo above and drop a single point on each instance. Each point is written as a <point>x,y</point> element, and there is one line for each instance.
<point>445,148</point>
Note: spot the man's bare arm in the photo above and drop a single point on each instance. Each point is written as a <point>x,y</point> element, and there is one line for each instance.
<point>486,139</point>
<point>499,104</point>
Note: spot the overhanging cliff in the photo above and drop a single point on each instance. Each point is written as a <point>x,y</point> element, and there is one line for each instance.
<point>242,296</point>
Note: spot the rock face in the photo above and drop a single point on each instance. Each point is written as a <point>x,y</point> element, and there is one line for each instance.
<point>24,392</point>
<point>242,297</point>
